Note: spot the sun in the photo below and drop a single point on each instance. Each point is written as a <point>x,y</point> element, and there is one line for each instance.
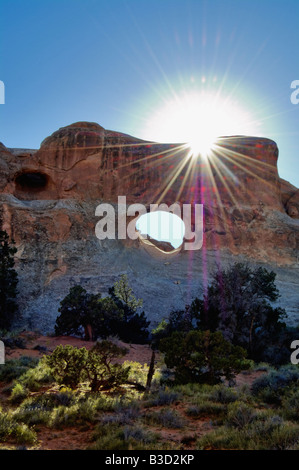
<point>198,119</point>
<point>203,146</point>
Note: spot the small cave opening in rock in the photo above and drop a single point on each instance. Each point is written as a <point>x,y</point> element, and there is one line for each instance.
<point>162,229</point>
<point>31,181</point>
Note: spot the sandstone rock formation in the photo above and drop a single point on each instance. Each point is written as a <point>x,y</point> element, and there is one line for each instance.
<point>49,197</point>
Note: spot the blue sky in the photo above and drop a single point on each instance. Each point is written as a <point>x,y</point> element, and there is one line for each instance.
<point>114,62</point>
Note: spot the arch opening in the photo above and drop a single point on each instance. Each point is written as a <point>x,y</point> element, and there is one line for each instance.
<point>164,230</point>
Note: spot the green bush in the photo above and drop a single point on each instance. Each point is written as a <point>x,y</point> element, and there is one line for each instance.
<point>67,364</point>
<point>138,373</point>
<point>101,372</point>
<point>19,393</point>
<point>240,415</point>
<point>193,390</point>
<point>49,401</point>
<point>166,417</point>
<point>14,368</point>
<point>290,406</point>
<point>71,366</point>
<point>138,434</point>
<point>10,429</point>
<point>273,386</point>
<point>112,436</point>
<point>269,434</point>
<point>31,417</point>
<point>128,412</point>
<point>34,378</point>
<point>162,397</point>
<point>82,412</point>
<point>202,356</point>
<point>204,408</point>
<point>223,394</point>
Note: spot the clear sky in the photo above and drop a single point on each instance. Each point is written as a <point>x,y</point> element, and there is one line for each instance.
<point>116,62</point>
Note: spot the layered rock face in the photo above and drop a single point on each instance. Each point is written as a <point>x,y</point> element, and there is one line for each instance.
<point>49,197</point>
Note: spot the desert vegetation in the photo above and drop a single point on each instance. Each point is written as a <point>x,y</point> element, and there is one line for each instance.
<point>47,403</point>
<point>218,373</point>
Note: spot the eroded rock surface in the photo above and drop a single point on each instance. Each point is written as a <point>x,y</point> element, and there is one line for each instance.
<point>49,197</point>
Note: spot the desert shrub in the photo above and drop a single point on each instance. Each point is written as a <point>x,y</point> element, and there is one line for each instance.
<point>162,397</point>
<point>290,406</point>
<point>224,438</point>
<point>223,394</point>
<point>14,368</point>
<point>71,366</point>
<point>66,364</point>
<point>262,367</point>
<point>273,386</point>
<point>12,339</point>
<point>108,443</point>
<point>107,403</point>
<point>32,416</point>
<point>63,416</point>
<point>166,417</point>
<point>202,356</point>
<point>34,378</point>
<point>5,424</point>
<point>49,401</point>
<point>265,424</point>
<point>107,436</point>
<point>139,434</point>
<point>270,433</point>
<point>240,415</point>
<point>18,393</point>
<point>23,434</point>
<point>10,429</point>
<point>101,373</point>
<point>112,436</point>
<point>205,408</point>
<point>193,411</point>
<point>193,390</point>
<point>80,413</point>
<point>284,437</point>
<point>128,412</point>
<point>138,373</point>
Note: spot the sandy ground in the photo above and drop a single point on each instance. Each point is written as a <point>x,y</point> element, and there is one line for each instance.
<point>38,346</point>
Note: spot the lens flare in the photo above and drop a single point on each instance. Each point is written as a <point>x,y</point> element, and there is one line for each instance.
<point>198,119</point>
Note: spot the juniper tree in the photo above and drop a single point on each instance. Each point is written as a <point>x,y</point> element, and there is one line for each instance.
<point>8,281</point>
<point>133,326</point>
<point>239,304</point>
<point>89,314</point>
